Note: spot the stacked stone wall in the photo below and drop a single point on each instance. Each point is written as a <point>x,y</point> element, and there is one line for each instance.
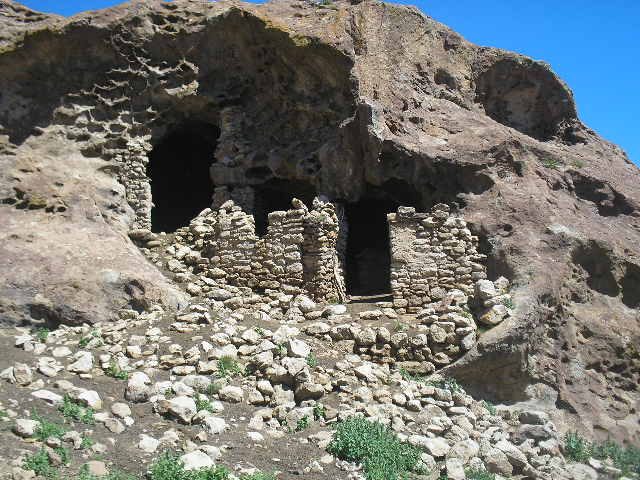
<point>296,255</point>
<point>431,253</point>
<point>322,269</point>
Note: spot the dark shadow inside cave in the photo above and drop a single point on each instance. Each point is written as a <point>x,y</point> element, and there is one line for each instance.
<point>276,195</point>
<point>368,256</point>
<point>181,185</point>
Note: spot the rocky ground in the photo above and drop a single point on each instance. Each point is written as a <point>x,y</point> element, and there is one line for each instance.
<point>238,388</point>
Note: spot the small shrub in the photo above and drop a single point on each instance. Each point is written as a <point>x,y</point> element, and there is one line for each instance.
<point>259,476</point>
<point>84,341</point>
<point>114,371</point>
<point>490,407</point>
<point>302,424</point>
<point>87,442</point>
<point>70,409</point>
<point>627,459</point>
<point>42,334</point>
<point>475,474</point>
<point>410,376</point>
<point>213,388</point>
<point>46,428</point>
<point>398,326</point>
<point>229,367</point>
<point>312,360</point>
<point>578,163</point>
<point>281,349</point>
<point>259,331</point>
<point>382,454</point>
<point>551,163</point>
<point>203,404</point>
<point>39,464</point>
<point>319,412</point>
<point>576,448</point>
<point>508,303</point>
<point>447,383</point>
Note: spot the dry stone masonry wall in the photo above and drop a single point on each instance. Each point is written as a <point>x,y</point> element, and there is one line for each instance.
<point>431,254</point>
<point>297,254</point>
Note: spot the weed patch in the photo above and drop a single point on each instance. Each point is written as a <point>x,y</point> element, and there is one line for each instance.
<point>70,409</point>
<point>229,367</point>
<point>627,459</point>
<point>382,454</point>
<point>169,467</point>
<point>115,371</point>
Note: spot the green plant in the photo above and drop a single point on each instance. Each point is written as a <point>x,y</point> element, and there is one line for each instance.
<point>169,467</point>
<point>447,383</point>
<point>229,367</point>
<point>398,326</point>
<point>40,465</point>
<point>87,442</point>
<point>475,474</point>
<point>213,388</point>
<point>203,404</point>
<point>259,476</point>
<point>84,341</point>
<point>302,424</point>
<point>578,163</point>
<point>42,334</point>
<point>382,454</point>
<point>312,360</point>
<point>70,409</point>
<point>490,407</point>
<point>319,412</point>
<point>46,428</point>
<point>3,414</point>
<point>627,459</point>
<point>115,371</point>
<point>551,163</point>
<point>169,393</point>
<point>576,448</point>
<point>259,331</point>
<point>507,302</point>
<point>281,349</point>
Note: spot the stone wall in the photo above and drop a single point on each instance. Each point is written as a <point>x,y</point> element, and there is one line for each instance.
<point>296,255</point>
<point>431,253</point>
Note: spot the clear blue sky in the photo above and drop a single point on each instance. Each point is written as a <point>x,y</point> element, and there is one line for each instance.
<point>593,45</point>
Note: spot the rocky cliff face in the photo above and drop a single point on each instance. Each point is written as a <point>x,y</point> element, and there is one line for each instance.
<point>342,100</point>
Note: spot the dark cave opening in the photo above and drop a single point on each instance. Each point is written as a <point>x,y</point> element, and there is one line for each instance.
<point>276,195</point>
<point>368,256</point>
<point>181,185</point>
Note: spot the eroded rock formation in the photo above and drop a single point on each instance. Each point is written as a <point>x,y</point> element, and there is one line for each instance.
<point>371,104</point>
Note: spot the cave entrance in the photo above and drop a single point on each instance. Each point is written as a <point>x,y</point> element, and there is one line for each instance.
<point>178,169</point>
<point>276,195</point>
<point>368,255</point>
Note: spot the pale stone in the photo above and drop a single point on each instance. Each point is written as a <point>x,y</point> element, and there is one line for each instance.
<point>196,460</point>
<point>120,410</point>
<point>25,428</point>
<point>231,394</point>
<point>49,397</point>
<point>83,363</point>
<point>148,444</point>
<point>298,348</point>
<point>90,398</point>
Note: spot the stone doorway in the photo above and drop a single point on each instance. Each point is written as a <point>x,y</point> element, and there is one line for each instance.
<point>368,259</point>
<point>178,169</point>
